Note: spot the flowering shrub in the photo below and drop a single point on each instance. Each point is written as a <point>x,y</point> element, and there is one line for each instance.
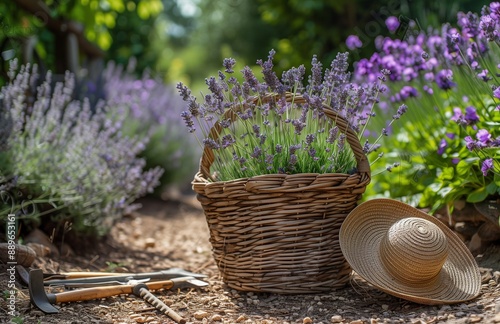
<point>280,135</point>
<point>66,160</point>
<point>451,138</point>
<point>153,111</point>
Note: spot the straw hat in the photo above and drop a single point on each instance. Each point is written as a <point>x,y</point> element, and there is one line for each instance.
<point>408,253</point>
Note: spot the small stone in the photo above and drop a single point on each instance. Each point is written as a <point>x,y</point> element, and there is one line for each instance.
<point>241,318</point>
<point>336,319</point>
<point>149,243</point>
<point>385,307</point>
<point>475,319</point>
<point>140,319</point>
<point>496,319</point>
<point>216,318</point>
<point>200,314</point>
<point>307,320</point>
<point>373,321</point>
<point>459,314</point>
<point>356,322</point>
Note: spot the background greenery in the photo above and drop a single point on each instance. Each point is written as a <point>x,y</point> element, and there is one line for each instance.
<point>188,39</point>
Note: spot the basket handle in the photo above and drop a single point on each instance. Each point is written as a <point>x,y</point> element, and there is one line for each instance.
<point>363,165</point>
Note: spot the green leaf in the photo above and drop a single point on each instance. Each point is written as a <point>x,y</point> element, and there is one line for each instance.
<point>448,173</point>
<point>496,179</point>
<point>464,166</point>
<point>477,195</point>
<point>492,188</point>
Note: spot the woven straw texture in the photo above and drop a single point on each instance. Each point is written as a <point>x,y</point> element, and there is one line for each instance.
<point>280,233</point>
<point>408,253</point>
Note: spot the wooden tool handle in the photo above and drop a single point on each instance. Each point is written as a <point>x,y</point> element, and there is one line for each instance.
<point>78,275</point>
<point>106,291</point>
<point>92,293</point>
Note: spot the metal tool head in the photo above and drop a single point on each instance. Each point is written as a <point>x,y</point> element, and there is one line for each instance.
<point>188,282</point>
<point>158,275</point>
<point>178,272</point>
<point>23,274</point>
<point>38,296</point>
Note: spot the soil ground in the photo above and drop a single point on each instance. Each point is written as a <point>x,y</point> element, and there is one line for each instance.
<point>174,234</point>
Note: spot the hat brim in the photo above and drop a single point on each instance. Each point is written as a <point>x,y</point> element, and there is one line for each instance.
<point>360,236</point>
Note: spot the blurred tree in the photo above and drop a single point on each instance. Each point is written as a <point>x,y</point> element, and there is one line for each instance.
<point>193,37</point>
<point>47,23</point>
<point>321,26</point>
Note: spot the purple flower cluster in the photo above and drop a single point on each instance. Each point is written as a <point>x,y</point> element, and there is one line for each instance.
<point>432,55</point>
<point>273,132</point>
<point>440,61</point>
<point>152,110</point>
<point>77,157</point>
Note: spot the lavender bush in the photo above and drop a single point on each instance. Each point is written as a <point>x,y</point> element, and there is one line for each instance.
<point>282,136</point>
<point>450,81</point>
<point>70,162</point>
<point>153,110</point>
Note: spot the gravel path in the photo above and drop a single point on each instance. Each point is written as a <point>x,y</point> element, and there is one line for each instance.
<point>174,234</point>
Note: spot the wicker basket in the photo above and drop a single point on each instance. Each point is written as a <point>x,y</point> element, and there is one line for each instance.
<point>280,232</point>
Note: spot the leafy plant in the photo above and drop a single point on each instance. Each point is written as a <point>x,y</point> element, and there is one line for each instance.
<point>451,137</point>
<point>66,160</point>
<point>153,110</point>
<point>282,135</point>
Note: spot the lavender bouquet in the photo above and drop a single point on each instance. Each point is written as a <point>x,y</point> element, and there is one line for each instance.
<point>283,136</point>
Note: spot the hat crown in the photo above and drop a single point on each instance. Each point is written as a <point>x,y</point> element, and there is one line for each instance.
<point>414,250</point>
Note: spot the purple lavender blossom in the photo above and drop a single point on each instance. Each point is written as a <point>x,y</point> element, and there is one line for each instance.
<point>483,138</point>
<point>293,148</point>
<point>211,143</point>
<point>442,146</point>
<point>353,42</point>
<point>407,92</point>
<point>392,23</point>
<point>227,140</point>
<point>471,116</point>
<point>444,79</point>
<point>488,26</point>
<point>270,77</point>
<point>496,92</point>
<point>228,64</point>
<point>486,166</point>
<point>269,161</point>
<point>257,152</point>
<point>309,139</point>
<point>469,23</point>
<point>495,11</point>
<point>458,117</point>
<point>470,143</point>
<point>483,75</point>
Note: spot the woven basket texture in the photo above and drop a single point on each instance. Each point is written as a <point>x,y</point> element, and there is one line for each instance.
<point>280,232</point>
